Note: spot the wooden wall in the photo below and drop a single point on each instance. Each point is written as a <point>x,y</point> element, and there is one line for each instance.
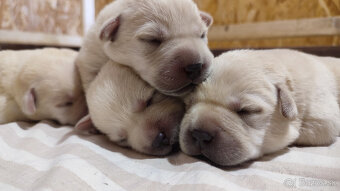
<point>64,17</point>
<point>46,16</point>
<point>245,11</point>
<point>226,12</point>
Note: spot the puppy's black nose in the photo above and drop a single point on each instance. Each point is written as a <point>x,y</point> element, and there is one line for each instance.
<point>160,140</point>
<point>194,70</point>
<point>201,137</point>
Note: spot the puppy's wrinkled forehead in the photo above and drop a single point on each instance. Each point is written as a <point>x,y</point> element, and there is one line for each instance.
<point>168,16</point>
<point>233,82</point>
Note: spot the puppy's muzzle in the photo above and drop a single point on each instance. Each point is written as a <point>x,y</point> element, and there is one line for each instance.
<point>208,139</point>
<point>187,68</point>
<point>192,66</point>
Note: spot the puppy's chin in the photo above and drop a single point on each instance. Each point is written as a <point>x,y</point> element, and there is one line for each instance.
<point>181,92</point>
<point>149,150</point>
<point>157,151</point>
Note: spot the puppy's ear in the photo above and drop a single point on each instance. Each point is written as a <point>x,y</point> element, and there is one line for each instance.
<point>29,106</point>
<point>207,18</point>
<point>109,30</point>
<point>85,125</point>
<point>287,104</point>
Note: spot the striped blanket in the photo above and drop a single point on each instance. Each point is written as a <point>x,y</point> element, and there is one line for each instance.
<point>45,157</point>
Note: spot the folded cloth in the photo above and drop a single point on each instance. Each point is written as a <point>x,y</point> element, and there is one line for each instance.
<point>44,156</point>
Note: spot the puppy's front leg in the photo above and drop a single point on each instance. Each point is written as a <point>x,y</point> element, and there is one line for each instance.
<point>321,126</point>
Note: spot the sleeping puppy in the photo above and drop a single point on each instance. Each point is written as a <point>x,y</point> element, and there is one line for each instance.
<point>132,113</point>
<point>40,84</point>
<point>163,41</point>
<point>258,102</point>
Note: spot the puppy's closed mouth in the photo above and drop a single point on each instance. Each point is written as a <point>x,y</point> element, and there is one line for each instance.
<point>181,91</point>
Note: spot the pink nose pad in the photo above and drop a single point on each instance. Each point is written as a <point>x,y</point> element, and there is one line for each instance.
<point>194,71</point>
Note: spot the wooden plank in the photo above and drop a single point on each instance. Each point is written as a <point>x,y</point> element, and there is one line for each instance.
<point>277,29</point>
<point>320,51</point>
<point>35,38</point>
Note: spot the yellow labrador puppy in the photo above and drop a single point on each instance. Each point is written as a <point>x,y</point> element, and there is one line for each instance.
<point>40,84</point>
<point>132,113</point>
<point>163,41</point>
<point>258,102</point>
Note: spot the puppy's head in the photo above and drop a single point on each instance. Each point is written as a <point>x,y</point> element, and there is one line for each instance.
<point>166,41</point>
<point>49,88</point>
<point>232,114</point>
<point>131,113</point>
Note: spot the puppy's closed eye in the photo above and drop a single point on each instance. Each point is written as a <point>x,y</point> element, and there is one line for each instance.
<point>149,102</point>
<point>153,99</point>
<point>250,115</point>
<point>68,103</point>
<point>151,34</point>
<point>249,111</point>
<point>244,109</point>
<point>142,104</point>
<point>203,35</point>
<point>155,41</point>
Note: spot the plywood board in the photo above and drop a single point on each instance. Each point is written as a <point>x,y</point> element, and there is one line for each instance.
<point>324,26</point>
<point>250,11</point>
<point>45,16</point>
<point>227,12</point>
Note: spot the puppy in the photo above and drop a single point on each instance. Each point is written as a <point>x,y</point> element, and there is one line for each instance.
<point>40,84</point>
<point>258,102</point>
<point>132,113</point>
<point>163,41</point>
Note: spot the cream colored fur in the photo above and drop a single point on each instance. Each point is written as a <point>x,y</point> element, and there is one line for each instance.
<point>258,102</point>
<point>131,113</point>
<point>127,32</point>
<point>40,84</point>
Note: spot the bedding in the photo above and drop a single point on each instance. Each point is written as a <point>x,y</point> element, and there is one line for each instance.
<point>45,156</point>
